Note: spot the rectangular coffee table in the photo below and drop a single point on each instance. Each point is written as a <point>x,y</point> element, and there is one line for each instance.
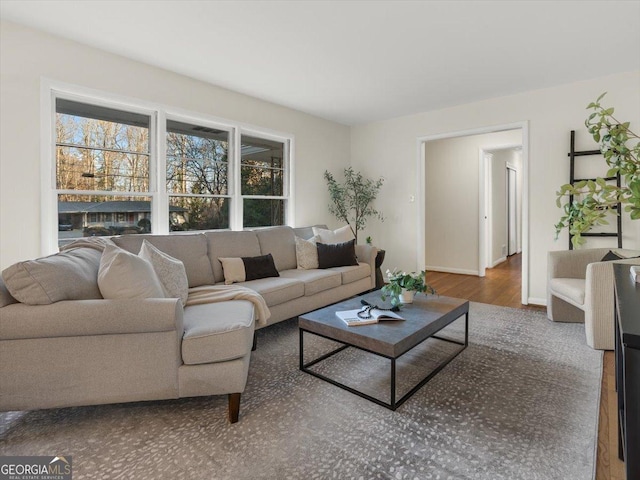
<point>424,318</point>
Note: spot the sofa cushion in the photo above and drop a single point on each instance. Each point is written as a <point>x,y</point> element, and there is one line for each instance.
<point>228,245</point>
<point>315,281</point>
<point>337,255</point>
<point>341,235</point>
<point>279,242</point>
<point>5,296</point>
<point>307,232</point>
<point>68,275</point>
<point>123,274</point>
<point>170,271</point>
<point>276,290</point>
<point>190,249</point>
<point>96,316</point>
<point>569,289</point>
<point>353,273</point>
<point>307,253</point>
<point>248,268</point>
<point>217,332</point>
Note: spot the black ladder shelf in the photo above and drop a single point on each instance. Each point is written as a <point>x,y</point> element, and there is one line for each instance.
<point>573,154</point>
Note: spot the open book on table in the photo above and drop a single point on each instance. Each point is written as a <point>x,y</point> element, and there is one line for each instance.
<point>351,318</point>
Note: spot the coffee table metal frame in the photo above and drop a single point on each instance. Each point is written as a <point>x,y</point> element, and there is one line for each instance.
<point>393,404</point>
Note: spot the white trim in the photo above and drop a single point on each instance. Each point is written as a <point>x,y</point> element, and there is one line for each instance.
<point>159,175</point>
<point>290,216</point>
<point>498,262</point>
<point>48,200</point>
<point>537,301</point>
<point>461,271</point>
<point>235,216</point>
<point>524,126</point>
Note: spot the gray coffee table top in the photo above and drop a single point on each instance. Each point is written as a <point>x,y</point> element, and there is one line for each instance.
<point>423,318</point>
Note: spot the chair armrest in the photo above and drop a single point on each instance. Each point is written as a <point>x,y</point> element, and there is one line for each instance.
<point>72,318</point>
<point>573,263</point>
<point>599,303</point>
<point>600,277</point>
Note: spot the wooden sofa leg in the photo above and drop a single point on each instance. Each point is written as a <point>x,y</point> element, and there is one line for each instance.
<point>234,407</point>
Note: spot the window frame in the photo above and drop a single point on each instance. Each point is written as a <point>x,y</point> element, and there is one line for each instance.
<point>286,187</point>
<point>159,196</point>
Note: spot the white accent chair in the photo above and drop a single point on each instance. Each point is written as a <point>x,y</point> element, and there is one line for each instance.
<point>580,289</point>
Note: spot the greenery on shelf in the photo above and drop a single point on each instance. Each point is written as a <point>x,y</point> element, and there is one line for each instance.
<point>593,199</point>
<point>352,200</point>
<point>400,281</point>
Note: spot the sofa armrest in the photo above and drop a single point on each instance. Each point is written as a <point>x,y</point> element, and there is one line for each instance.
<point>573,263</point>
<point>73,318</point>
<point>367,254</point>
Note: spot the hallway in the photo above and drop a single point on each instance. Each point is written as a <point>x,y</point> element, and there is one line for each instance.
<point>501,286</point>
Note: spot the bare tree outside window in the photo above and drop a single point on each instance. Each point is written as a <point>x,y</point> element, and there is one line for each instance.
<point>198,176</point>
<point>100,150</point>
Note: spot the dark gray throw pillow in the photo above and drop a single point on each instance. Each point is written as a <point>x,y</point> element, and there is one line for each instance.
<point>337,255</point>
<point>611,256</point>
<point>259,267</point>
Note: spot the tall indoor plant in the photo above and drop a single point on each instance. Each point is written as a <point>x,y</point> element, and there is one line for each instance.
<point>593,199</point>
<point>352,200</point>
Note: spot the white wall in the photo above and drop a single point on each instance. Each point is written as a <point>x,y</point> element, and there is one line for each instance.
<point>28,55</point>
<point>452,199</point>
<point>390,149</point>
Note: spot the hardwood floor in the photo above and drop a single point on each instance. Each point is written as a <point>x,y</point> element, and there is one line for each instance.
<point>502,286</point>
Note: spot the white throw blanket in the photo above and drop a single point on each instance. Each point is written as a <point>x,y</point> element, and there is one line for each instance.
<point>223,293</point>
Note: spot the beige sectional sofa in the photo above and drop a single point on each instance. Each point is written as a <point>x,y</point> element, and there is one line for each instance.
<point>96,351</point>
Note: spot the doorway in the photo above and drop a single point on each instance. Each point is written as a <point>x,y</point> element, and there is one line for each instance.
<point>461,206</point>
<point>500,224</point>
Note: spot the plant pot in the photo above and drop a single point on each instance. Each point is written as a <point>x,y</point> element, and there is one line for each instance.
<point>406,296</point>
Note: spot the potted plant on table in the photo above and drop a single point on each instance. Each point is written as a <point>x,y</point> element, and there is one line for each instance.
<point>403,286</point>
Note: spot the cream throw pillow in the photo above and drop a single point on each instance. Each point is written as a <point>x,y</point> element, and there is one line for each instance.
<point>307,253</point>
<point>329,237</point>
<point>125,275</point>
<point>233,269</point>
<point>170,271</point>
<point>68,275</point>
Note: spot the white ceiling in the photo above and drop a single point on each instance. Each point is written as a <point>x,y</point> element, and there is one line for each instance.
<point>357,61</point>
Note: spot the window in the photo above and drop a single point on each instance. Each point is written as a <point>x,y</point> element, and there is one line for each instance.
<point>102,162</point>
<point>262,182</point>
<point>197,177</point>
<point>110,177</point>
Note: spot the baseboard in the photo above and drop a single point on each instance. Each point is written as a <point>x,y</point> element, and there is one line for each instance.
<point>499,261</point>
<point>537,301</point>
<point>462,271</point>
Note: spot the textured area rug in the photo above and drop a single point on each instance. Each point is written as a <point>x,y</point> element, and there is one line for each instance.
<point>521,402</point>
